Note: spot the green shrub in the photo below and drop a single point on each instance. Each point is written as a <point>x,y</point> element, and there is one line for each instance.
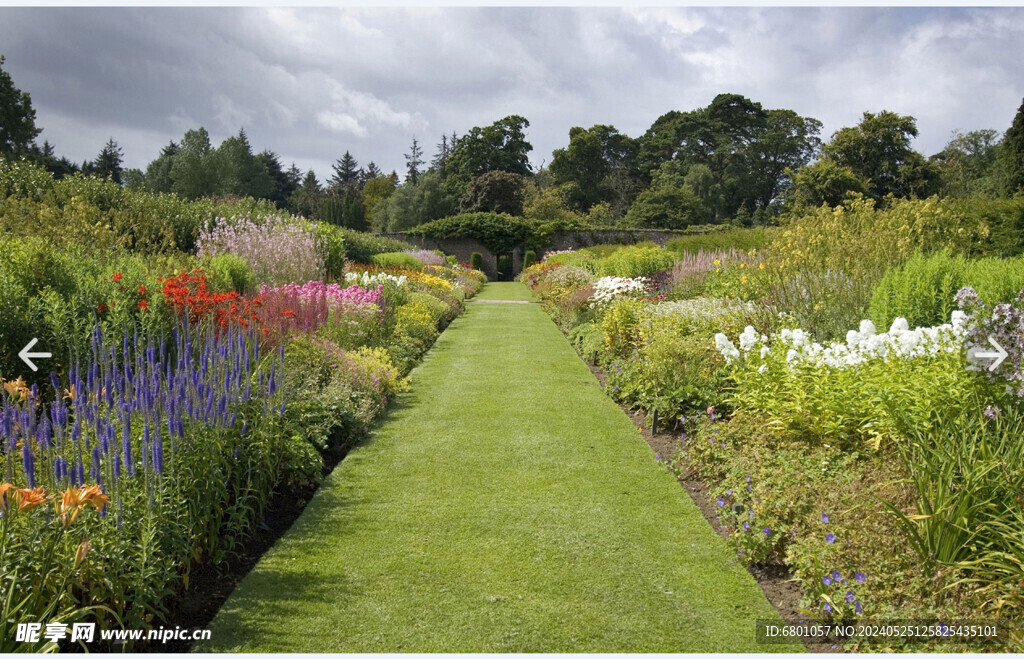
<point>498,232</point>
<point>636,261</point>
<point>476,261</point>
<point>332,246</point>
<point>529,258</point>
<point>228,272</point>
<point>360,247</point>
<point>397,260</point>
<point>923,288</point>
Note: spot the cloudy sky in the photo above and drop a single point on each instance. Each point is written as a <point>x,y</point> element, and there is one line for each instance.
<point>312,83</point>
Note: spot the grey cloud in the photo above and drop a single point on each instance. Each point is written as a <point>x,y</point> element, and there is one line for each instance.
<point>312,83</point>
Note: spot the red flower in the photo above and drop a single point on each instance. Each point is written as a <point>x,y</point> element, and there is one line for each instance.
<point>143,304</point>
<point>142,289</point>
<point>117,276</point>
<point>102,308</point>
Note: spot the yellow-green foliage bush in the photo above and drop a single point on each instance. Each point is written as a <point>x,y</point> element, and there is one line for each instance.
<point>416,321</point>
<point>636,261</point>
<point>102,214</point>
<point>439,310</point>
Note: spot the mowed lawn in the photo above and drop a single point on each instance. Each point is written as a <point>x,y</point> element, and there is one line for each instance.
<point>504,504</point>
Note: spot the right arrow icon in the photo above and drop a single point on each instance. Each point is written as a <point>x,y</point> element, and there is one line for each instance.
<point>999,355</point>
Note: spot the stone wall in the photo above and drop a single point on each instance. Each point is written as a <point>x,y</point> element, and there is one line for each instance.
<point>463,248</point>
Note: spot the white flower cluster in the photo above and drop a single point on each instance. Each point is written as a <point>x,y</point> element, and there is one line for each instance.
<point>608,288</point>
<point>861,345</point>
<point>366,280</point>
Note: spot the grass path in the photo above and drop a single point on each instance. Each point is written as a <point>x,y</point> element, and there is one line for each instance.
<point>504,504</point>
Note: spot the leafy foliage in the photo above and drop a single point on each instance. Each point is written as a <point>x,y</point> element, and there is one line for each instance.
<point>498,232</point>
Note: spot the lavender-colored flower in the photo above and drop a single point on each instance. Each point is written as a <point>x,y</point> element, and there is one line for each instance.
<point>828,607</point>
<point>824,518</point>
<point>850,597</point>
<point>721,502</point>
<point>857,608</point>
<point>836,575</point>
<point>827,580</point>
<point>860,577</point>
<point>830,538</point>
<point>767,531</point>
<point>992,411</point>
<point>746,526</point>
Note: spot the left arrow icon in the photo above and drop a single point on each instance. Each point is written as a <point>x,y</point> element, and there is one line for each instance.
<point>27,356</point>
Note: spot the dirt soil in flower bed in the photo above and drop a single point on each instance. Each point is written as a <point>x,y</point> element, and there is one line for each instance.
<point>211,584</point>
<point>774,579</point>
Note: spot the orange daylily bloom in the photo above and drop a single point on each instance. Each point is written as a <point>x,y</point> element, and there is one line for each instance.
<point>73,500</point>
<point>17,389</point>
<point>69,393</point>
<point>4,488</point>
<point>23,499</point>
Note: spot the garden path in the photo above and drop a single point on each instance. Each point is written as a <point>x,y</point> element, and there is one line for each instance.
<point>503,504</point>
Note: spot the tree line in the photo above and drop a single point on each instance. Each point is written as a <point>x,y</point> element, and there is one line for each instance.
<point>730,161</point>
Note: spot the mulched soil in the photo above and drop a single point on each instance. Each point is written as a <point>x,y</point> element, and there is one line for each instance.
<point>774,579</point>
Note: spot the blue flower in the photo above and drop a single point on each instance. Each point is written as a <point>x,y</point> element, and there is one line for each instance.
<point>748,479</point>
<point>657,456</point>
<point>828,607</point>
<point>746,526</point>
<point>721,502</point>
<point>827,580</point>
<point>830,538</point>
<point>836,575</point>
<point>850,596</point>
<point>767,531</point>
<point>857,608</point>
<point>824,518</point>
<point>860,577</point>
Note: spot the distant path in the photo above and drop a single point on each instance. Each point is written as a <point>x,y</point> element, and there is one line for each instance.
<point>505,504</point>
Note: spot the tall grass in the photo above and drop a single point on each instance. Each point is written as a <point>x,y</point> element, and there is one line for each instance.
<point>968,470</point>
<point>713,241</point>
<point>922,289</point>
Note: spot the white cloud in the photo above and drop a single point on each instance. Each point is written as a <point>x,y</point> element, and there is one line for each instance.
<point>340,122</point>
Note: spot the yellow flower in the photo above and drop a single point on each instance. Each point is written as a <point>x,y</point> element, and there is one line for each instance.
<point>742,265</point>
<point>743,280</point>
<point>717,262</point>
<point>761,267</point>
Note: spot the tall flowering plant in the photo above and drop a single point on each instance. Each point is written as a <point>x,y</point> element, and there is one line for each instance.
<point>278,251</point>
<point>146,452</point>
<point>849,392</point>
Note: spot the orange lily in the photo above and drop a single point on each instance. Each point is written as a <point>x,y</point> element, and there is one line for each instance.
<point>24,499</point>
<point>73,500</point>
